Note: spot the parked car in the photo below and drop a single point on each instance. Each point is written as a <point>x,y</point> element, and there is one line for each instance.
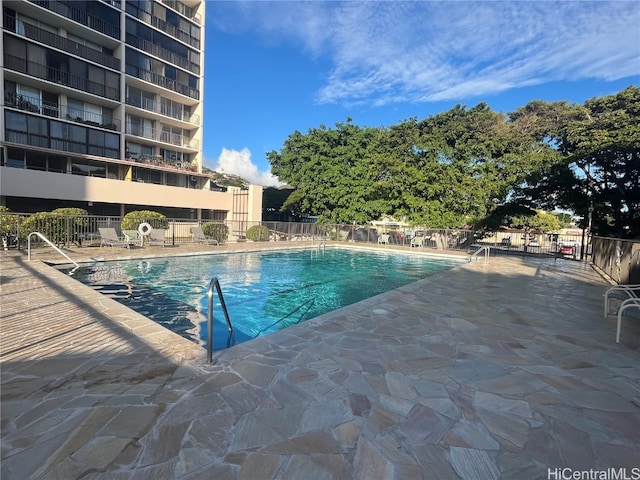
<point>570,251</point>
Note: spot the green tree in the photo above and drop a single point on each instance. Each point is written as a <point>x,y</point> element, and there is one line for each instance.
<point>216,230</point>
<point>258,233</point>
<point>597,161</point>
<point>133,219</point>
<point>540,221</point>
<point>604,151</point>
<point>59,226</point>
<point>330,170</point>
<point>465,164</point>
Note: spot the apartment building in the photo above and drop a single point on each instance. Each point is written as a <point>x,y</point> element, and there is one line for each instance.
<point>103,108</point>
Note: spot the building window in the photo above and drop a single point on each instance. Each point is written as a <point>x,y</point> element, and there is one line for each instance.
<point>15,158</point>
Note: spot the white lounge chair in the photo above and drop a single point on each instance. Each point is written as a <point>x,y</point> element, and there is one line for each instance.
<point>417,241</point>
<point>200,237</point>
<point>157,237</point>
<point>620,292</point>
<point>133,237</point>
<point>109,237</point>
<point>628,308</point>
<point>383,239</point>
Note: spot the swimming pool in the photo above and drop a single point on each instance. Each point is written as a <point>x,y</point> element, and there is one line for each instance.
<point>264,291</point>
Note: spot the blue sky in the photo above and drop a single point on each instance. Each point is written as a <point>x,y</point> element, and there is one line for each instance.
<point>274,67</point>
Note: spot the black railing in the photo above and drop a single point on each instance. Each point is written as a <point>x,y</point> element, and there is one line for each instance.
<point>184,10</point>
<point>80,16</point>
<point>162,53</point>
<point>51,39</point>
<point>62,77</point>
<point>34,105</point>
<point>173,110</point>
<point>65,145</point>
<point>162,25</point>
<point>162,81</point>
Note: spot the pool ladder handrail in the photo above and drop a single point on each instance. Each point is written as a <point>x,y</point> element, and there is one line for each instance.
<point>215,283</point>
<point>485,248</point>
<point>48,242</point>
<point>322,242</point>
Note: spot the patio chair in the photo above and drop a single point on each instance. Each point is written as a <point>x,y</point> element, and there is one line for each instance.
<point>629,308</point>
<point>417,241</point>
<point>157,237</point>
<point>620,292</point>
<point>133,237</point>
<point>109,237</point>
<point>200,237</point>
<point>383,239</point>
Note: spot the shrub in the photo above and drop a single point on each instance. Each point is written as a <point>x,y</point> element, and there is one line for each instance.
<point>258,233</point>
<point>216,230</point>
<point>59,226</point>
<point>6,221</point>
<point>132,220</point>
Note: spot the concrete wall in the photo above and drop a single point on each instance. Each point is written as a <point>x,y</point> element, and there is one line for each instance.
<point>16,182</point>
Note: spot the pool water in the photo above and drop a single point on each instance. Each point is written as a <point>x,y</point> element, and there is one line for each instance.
<point>264,291</point>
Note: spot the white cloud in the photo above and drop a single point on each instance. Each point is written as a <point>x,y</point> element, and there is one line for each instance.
<point>239,163</point>
<point>420,51</point>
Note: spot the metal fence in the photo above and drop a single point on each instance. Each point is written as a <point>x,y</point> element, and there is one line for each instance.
<point>84,231</point>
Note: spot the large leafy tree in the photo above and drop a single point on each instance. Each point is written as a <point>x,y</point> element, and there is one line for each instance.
<point>604,151</point>
<point>330,170</point>
<point>462,164</point>
<point>597,164</point>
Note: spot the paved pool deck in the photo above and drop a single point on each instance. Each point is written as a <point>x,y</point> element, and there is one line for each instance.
<point>505,369</point>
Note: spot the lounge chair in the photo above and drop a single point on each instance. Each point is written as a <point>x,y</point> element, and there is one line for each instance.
<point>620,292</point>
<point>629,308</point>
<point>109,237</point>
<point>133,237</point>
<point>383,239</point>
<point>417,241</point>
<point>200,237</point>
<point>157,236</point>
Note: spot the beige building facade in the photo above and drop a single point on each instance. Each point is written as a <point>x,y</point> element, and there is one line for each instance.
<point>103,109</point>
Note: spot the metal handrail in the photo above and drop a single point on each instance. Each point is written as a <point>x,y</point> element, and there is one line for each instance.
<point>485,248</point>
<point>46,240</point>
<point>215,282</point>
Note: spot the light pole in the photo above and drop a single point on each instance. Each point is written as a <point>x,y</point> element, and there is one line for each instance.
<point>589,224</point>
<point>589,218</point>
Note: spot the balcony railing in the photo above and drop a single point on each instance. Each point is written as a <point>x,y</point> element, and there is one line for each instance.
<point>80,16</point>
<point>65,145</point>
<point>162,81</point>
<point>56,75</point>
<point>158,161</point>
<point>141,131</point>
<point>151,133</point>
<point>114,3</point>
<point>163,53</point>
<point>174,111</point>
<point>51,39</point>
<point>184,10</point>
<point>178,140</point>
<point>34,105</point>
<point>162,25</point>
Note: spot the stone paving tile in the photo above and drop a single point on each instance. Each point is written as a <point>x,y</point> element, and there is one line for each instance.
<point>497,370</point>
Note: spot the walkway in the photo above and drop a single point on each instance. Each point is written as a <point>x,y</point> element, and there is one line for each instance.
<point>498,370</point>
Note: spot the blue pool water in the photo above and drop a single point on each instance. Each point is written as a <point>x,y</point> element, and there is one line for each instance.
<point>264,291</point>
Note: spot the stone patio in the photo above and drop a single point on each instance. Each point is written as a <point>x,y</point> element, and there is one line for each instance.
<point>498,370</point>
